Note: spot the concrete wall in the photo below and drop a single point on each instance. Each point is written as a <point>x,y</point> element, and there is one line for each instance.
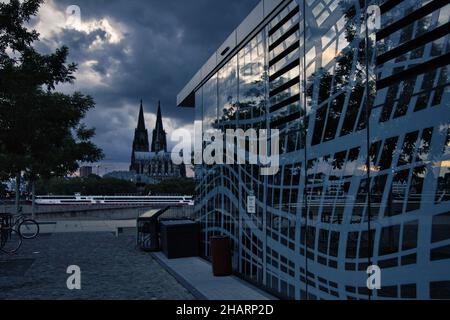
<point>52,213</point>
<point>44,213</point>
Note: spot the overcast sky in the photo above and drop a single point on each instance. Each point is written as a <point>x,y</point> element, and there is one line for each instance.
<point>132,49</point>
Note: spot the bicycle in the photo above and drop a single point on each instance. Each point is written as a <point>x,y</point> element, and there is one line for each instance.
<point>10,239</point>
<point>27,228</point>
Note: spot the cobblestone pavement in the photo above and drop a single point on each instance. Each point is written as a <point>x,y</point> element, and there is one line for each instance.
<point>111,269</point>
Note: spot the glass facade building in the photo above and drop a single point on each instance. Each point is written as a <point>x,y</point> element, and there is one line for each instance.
<point>364,121</point>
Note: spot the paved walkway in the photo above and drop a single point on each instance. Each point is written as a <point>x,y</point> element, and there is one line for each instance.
<point>197,275</point>
<point>111,268</point>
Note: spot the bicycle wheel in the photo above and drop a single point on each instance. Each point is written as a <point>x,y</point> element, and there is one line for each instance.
<point>28,229</point>
<point>11,240</point>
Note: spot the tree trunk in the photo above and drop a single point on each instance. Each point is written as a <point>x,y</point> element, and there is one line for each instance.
<point>33,200</point>
<point>17,203</point>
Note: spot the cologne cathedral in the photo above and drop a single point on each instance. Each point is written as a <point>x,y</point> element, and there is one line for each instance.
<point>153,161</point>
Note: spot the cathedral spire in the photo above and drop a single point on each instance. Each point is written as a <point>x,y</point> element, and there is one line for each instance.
<point>159,141</point>
<point>159,123</point>
<point>140,142</point>
<point>141,121</point>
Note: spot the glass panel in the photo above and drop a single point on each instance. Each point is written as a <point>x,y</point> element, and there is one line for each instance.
<point>411,211</point>
<point>228,115</point>
<point>336,177</point>
<point>211,203</point>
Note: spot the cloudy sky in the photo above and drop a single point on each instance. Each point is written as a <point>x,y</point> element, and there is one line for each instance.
<point>132,49</point>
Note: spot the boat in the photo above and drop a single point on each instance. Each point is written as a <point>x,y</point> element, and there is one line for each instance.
<point>115,200</point>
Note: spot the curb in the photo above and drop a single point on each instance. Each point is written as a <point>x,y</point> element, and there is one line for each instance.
<point>180,279</point>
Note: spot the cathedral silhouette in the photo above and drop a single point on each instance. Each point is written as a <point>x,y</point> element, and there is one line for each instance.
<point>153,161</point>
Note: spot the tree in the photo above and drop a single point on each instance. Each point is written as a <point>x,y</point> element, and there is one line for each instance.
<point>41,130</point>
<point>2,189</point>
<point>92,186</point>
<point>183,186</point>
<point>15,38</point>
<point>350,74</point>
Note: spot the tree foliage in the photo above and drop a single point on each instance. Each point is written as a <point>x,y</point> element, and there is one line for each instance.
<point>41,130</point>
<point>90,186</point>
<point>3,189</point>
<point>183,186</point>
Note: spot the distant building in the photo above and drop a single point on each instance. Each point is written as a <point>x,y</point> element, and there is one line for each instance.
<point>154,162</point>
<point>85,171</point>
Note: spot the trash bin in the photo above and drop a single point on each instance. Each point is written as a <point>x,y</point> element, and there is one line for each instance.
<point>148,230</point>
<point>221,256</point>
<point>180,238</point>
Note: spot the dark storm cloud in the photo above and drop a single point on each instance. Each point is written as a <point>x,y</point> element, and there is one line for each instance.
<point>163,44</point>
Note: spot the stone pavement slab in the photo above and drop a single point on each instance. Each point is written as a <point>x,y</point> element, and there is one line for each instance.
<point>112,268</point>
<point>196,274</point>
